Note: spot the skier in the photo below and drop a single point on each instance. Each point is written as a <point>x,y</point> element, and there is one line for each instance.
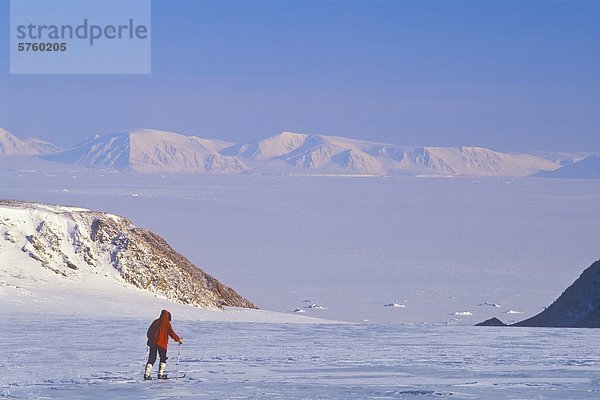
<point>158,339</point>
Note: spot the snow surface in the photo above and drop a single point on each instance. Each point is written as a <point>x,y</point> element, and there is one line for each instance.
<point>58,357</point>
<point>352,245</point>
<point>440,245</point>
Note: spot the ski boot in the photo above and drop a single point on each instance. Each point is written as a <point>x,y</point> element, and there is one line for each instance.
<point>161,371</point>
<point>147,376</point>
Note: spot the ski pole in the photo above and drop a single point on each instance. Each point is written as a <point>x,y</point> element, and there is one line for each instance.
<point>146,356</point>
<point>177,364</point>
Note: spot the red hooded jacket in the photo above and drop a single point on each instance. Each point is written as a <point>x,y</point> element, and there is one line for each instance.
<point>160,330</point>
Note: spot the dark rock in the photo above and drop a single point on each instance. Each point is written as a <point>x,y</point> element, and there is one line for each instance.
<point>577,307</point>
<point>491,322</point>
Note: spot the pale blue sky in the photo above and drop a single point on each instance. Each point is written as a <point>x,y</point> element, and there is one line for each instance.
<point>508,75</point>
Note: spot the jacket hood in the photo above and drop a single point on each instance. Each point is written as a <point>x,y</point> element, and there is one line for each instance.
<point>165,315</point>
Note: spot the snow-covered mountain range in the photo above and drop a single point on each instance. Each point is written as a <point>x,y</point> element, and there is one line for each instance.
<point>155,151</point>
<point>65,246</point>
<point>357,156</point>
<point>12,145</point>
<point>148,150</point>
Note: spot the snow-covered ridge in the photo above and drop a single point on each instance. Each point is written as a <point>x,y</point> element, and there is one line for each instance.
<point>77,245</point>
<point>12,145</point>
<point>585,168</point>
<point>149,150</point>
<point>358,156</point>
<point>156,151</point>
<point>42,147</point>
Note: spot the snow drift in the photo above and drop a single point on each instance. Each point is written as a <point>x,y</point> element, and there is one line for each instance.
<point>74,244</point>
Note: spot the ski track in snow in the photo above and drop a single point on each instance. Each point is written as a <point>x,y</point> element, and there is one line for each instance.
<point>89,358</point>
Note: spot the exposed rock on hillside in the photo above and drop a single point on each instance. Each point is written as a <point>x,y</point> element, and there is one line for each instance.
<point>76,243</point>
<point>577,307</point>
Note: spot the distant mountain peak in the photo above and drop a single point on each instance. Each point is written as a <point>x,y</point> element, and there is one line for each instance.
<point>12,145</point>
<point>358,161</point>
<point>151,150</point>
<point>42,147</point>
<point>335,153</point>
<point>270,147</point>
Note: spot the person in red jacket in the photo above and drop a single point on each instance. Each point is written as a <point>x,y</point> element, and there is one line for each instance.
<point>158,340</point>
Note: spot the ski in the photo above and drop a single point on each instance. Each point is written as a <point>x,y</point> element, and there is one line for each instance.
<point>169,378</point>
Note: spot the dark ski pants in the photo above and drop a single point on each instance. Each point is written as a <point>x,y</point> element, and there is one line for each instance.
<point>161,352</point>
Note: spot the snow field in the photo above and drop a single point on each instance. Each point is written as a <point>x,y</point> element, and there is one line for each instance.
<point>47,356</point>
<point>352,246</point>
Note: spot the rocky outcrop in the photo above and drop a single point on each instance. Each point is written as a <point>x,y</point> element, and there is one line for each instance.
<point>577,307</point>
<point>491,322</point>
<point>74,242</point>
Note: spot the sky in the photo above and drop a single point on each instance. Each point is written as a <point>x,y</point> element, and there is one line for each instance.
<point>507,75</point>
